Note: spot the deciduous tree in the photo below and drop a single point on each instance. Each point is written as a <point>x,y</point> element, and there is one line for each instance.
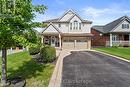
<point>16,27</point>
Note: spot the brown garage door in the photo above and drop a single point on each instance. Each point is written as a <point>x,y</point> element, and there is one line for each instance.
<point>75,43</point>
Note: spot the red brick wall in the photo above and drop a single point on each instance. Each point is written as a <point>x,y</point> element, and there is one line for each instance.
<point>98,40</point>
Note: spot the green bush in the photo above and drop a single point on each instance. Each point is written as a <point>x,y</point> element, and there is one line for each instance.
<point>120,45</point>
<point>115,45</point>
<point>34,50</point>
<point>48,54</point>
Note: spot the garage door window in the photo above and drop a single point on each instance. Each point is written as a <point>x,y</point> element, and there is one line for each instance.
<point>65,41</point>
<point>79,41</point>
<point>71,40</point>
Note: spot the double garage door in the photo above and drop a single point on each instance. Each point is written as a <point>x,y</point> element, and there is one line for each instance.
<point>75,43</point>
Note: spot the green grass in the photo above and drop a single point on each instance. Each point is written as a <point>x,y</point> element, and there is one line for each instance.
<point>121,52</point>
<point>21,64</point>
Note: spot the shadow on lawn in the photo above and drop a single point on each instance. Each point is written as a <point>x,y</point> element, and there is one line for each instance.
<point>27,70</point>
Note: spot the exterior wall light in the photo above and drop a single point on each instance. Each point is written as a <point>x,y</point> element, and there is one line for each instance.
<point>101,34</point>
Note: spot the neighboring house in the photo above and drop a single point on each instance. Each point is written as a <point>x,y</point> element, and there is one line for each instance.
<point>111,34</point>
<point>68,32</point>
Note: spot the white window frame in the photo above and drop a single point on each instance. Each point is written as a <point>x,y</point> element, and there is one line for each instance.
<point>80,26</point>
<point>125,26</point>
<point>75,25</point>
<point>71,26</point>
<point>114,37</point>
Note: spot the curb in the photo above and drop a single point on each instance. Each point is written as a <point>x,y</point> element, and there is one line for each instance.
<point>120,58</point>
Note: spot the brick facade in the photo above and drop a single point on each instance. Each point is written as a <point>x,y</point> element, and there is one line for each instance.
<point>98,39</point>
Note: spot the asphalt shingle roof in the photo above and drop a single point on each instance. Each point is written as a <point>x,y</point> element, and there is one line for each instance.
<point>52,20</point>
<point>108,27</point>
<point>98,28</point>
<point>57,19</point>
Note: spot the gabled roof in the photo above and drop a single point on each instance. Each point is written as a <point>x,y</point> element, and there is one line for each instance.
<point>71,11</point>
<point>77,34</point>
<point>110,26</point>
<point>98,28</point>
<point>79,18</point>
<point>53,26</point>
<point>52,20</point>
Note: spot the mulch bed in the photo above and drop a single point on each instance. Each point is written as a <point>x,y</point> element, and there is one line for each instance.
<point>17,82</point>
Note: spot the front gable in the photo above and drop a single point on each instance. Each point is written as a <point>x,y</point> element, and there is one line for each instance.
<point>51,29</point>
<point>67,16</point>
<point>119,28</point>
<point>70,22</point>
<point>75,18</point>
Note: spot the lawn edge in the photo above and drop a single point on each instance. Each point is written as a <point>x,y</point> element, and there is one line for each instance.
<point>54,75</point>
<point>115,56</point>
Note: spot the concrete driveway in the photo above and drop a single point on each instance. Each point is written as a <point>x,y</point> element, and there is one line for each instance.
<point>91,69</point>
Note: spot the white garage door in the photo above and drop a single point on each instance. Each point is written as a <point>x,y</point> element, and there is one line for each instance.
<point>75,43</point>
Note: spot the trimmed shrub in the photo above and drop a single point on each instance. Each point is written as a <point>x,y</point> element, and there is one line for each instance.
<point>115,45</point>
<point>34,50</point>
<point>48,54</point>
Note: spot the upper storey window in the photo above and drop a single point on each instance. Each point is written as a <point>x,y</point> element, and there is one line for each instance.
<point>59,25</point>
<point>125,26</point>
<point>70,26</point>
<point>75,25</point>
<point>79,26</point>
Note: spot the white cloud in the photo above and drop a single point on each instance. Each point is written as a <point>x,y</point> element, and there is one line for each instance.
<point>47,16</point>
<point>95,12</point>
<point>104,15</point>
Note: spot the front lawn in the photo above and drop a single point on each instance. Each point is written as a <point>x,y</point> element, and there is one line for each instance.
<point>36,75</point>
<point>121,52</point>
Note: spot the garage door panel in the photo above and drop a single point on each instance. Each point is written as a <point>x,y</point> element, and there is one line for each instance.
<point>81,45</point>
<point>68,45</point>
<point>75,43</point>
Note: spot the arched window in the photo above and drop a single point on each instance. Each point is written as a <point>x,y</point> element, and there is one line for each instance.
<point>75,25</point>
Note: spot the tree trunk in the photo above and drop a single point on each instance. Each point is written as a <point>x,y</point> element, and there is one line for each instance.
<point>4,67</point>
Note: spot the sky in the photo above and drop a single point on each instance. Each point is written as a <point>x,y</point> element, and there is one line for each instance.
<point>99,11</point>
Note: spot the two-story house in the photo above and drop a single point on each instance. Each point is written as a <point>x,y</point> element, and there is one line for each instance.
<point>69,31</point>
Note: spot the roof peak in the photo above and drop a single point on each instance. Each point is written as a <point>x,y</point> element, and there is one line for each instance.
<point>110,26</point>
<point>71,10</point>
<point>125,17</point>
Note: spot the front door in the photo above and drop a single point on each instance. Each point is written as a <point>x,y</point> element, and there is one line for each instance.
<point>53,40</point>
<point>126,37</point>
